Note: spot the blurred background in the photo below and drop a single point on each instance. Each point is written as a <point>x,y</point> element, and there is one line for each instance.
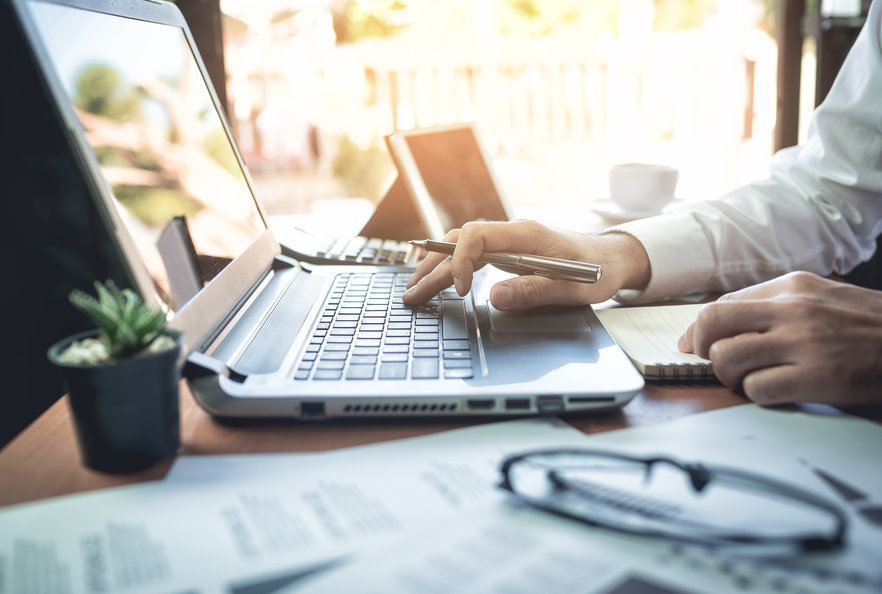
<point>559,89</point>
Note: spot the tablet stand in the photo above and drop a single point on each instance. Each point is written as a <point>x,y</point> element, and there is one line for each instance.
<point>395,217</point>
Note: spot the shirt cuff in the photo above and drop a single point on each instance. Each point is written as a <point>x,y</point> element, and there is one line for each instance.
<point>680,256</point>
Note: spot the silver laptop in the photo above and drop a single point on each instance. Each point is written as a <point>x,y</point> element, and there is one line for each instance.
<point>269,336</point>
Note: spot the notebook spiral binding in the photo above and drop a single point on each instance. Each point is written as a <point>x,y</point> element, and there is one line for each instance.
<point>684,371</point>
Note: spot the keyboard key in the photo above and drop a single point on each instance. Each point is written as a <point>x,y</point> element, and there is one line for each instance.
<point>362,360</point>
<point>458,373</point>
<point>365,351</point>
<point>326,364</point>
<point>396,348</point>
<point>456,345</point>
<point>425,353</point>
<point>424,368</point>
<point>453,321</point>
<point>327,374</point>
<point>393,371</point>
<point>360,372</point>
<point>370,335</point>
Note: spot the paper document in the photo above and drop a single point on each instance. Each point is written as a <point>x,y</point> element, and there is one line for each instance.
<point>502,547</point>
<point>238,523</point>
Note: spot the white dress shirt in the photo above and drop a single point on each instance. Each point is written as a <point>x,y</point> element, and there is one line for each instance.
<point>819,210</point>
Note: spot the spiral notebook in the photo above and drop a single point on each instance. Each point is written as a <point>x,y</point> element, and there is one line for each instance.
<point>649,337</point>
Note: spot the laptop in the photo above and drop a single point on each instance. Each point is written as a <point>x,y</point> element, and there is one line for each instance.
<point>445,179</point>
<point>267,335</point>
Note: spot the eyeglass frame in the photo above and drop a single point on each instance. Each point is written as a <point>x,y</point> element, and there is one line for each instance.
<point>700,476</point>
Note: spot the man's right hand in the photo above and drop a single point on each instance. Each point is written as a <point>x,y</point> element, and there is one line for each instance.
<point>624,263</point>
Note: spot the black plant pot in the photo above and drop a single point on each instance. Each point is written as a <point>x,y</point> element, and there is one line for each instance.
<point>125,413</point>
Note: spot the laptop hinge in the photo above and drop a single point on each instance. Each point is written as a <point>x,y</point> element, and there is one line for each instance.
<point>200,365</point>
<point>282,262</point>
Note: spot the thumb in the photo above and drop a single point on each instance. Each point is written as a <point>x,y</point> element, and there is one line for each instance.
<point>524,292</point>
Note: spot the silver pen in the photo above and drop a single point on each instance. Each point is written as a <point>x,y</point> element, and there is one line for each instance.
<point>580,272</point>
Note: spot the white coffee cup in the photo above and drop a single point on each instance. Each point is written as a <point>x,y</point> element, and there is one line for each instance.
<point>642,187</point>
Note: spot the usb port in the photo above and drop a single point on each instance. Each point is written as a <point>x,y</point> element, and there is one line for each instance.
<point>312,410</point>
<point>481,404</point>
<point>550,405</point>
<point>517,404</point>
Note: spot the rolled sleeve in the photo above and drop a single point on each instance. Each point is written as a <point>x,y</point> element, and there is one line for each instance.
<point>680,256</point>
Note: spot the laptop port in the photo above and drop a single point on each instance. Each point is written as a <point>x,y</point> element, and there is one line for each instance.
<point>550,405</point>
<point>517,404</point>
<point>312,410</point>
<point>481,403</point>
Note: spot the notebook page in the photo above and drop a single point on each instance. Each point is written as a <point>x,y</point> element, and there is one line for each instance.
<point>649,334</point>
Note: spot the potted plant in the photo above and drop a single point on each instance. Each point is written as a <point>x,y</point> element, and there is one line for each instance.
<point>122,380</point>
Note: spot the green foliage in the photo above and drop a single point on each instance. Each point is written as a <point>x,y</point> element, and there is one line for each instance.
<point>360,20</point>
<point>154,206</point>
<point>126,324</point>
<point>362,171</point>
<point>218,148</point>
<point>101,90</point>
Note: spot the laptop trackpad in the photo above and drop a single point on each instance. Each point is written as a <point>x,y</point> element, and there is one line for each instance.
<point>543,320</point>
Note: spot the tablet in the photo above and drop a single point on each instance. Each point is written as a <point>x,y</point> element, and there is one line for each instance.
<point>448,175</point>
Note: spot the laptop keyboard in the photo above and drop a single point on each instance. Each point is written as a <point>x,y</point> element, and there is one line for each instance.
<point>369,250</point>
<point>367,333</point>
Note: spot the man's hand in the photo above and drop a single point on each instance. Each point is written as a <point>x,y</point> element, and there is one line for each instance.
<point>622,258</point>
<point>797,338</point>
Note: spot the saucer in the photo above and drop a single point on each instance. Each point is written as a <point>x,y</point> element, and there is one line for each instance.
<point>614,213</point>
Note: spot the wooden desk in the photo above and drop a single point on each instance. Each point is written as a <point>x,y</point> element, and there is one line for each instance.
<point>43,461</point>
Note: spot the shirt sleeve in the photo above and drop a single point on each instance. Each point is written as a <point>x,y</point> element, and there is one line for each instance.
<point>819,210</point>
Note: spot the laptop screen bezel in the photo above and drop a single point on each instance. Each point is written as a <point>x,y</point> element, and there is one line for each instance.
<point>203,316</point>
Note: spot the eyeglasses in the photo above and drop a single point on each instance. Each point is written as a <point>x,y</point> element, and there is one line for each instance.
<point>665,498</point>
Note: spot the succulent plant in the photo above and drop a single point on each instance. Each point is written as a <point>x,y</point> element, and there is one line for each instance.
<point>127,326</point>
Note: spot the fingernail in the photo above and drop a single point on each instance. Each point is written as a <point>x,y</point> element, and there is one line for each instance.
<point>458,286</point>
<point>503,295</point>
<point>681,343</point>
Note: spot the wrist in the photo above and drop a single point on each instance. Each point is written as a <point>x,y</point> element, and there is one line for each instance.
<point>629,261</point>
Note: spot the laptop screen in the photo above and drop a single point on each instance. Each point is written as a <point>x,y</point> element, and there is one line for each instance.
<point>161,145</point>
<point>455,172</point>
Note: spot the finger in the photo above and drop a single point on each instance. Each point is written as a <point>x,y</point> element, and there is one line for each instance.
<point>431,261</point>
<point>793,283</point>
<point>725,319</point>
<point>476,238</point>
<point>684,343</point>
<point>736,357</point>
<point>438,279</point>
<point>493,236</point>
<point>789,383</point>
<point>524,292</point>
<point>473,238</point>
<point>427,265</point>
